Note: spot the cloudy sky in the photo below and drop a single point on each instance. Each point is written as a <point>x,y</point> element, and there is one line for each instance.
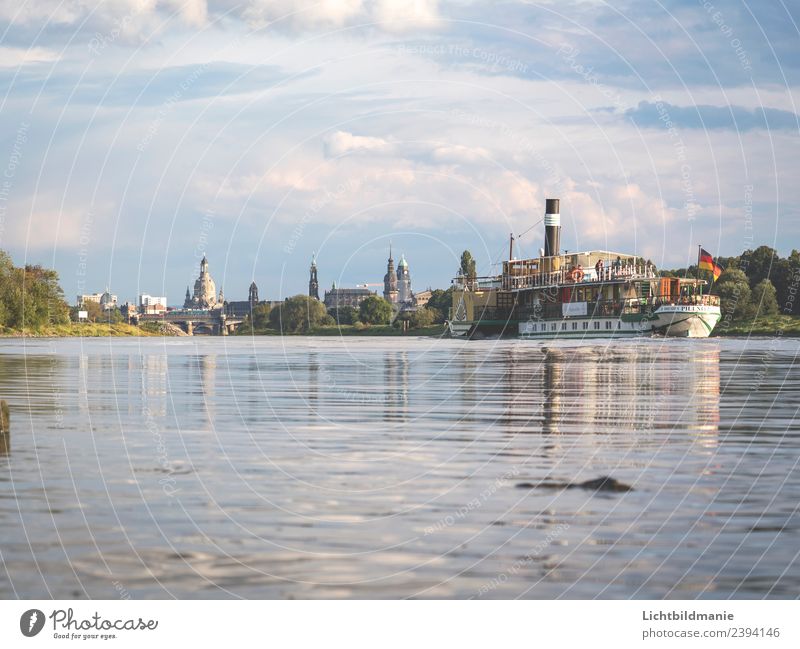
<point>139,134</point>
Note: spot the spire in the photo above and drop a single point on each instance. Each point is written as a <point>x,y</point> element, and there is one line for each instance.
<point>313,283</point>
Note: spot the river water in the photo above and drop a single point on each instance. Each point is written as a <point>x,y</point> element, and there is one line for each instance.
<point>399,467</point>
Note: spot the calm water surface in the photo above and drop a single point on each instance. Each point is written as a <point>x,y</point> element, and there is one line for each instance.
<point>362,467</point>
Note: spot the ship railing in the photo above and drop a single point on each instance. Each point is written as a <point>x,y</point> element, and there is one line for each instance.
<point>486,283</point>
<point>684,300</point>
<point>569,276</point>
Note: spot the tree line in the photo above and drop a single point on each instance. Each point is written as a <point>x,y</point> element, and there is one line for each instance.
<point>30,297</point>
<point>756,283</point>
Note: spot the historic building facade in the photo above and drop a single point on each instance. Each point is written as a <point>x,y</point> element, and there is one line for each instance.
<point>241,308</point>
<point>313,282</point>
<point>390,281</point>
<point>205,291</point>
<point>336,298</point>
<point>397,283</point>
<point>404,294</point>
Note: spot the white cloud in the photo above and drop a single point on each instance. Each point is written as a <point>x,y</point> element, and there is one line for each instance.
<point>341,143</point>
<point>302,14</point>
<point>458,153</point>
<point>11,57</point>
<point>402,15</point>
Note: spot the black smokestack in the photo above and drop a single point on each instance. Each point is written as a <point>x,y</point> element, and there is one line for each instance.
<point>552,228</point>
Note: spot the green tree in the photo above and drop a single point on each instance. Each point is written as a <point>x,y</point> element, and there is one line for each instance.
<point>94,312</point>
<point>30,297</point>
<point>758,264</point>
<point>298,313</point>
<point>260,316</point>
<point>468,267</point>
<point>345,315</point>
<point>441,301</point>
<point>424,317</point>
<point>764,298</point>
<point>375,310</point>
<point>735,295</point>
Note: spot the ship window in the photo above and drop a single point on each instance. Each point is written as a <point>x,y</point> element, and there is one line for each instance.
<point>597,324</point>
<point>553,327</point>
<point>574,325</point>
<point>544,327</point>
<point>619,325</point>
<point>608,324</point>
<point>563,325</point>
<point>585,325</point>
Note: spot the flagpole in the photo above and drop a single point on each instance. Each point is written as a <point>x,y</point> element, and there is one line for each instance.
<point>697,272</point>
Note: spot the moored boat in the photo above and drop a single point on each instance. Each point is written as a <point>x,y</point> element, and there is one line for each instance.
<point>590,294</point>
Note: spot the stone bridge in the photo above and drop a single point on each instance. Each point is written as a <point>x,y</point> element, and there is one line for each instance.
<point>195,321</point>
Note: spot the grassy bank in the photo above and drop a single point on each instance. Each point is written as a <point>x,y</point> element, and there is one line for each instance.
<point>351,330</point>
<point>76,329</point>
<point>784,325</point>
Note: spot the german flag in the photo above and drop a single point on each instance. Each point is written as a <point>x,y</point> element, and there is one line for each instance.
<point>706,262</point>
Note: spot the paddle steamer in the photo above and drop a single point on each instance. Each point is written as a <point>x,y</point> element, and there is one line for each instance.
<point>594,294</point>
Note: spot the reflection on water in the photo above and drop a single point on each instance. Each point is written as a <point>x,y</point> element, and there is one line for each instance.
<point>392,468</point>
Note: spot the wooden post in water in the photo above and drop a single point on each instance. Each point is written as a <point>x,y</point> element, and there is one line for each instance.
<point>5,429</point>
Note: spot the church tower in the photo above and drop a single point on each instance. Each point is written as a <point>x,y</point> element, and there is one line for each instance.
<point>205,291</point>
<point>404,293</point>
<point>187,302</point>
<point>252,296</point>
<point>313,283</point>
<point>390,281</point>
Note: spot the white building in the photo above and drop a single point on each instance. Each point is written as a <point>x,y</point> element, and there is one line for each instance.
<point>152,304</point>
<point>106,300</point>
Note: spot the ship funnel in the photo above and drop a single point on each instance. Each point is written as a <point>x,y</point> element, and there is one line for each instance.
<point>552,228</point>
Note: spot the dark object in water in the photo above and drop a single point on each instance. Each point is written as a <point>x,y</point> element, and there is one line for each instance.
<point>4,425</point>
<point>604,483</point>
<point>5,429</point>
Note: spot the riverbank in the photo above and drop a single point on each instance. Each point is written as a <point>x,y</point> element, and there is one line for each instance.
<point>776,325</point>
<point>351,330</point>
<point>80,330</point>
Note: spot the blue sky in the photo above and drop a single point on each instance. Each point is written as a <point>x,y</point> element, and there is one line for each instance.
<point>139,134</point>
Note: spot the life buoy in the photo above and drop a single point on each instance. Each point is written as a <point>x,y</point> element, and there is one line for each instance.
<point>577,275</point>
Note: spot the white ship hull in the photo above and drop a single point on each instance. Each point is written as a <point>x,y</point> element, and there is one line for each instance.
<point>686,321</point>
<point>690,321</point>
